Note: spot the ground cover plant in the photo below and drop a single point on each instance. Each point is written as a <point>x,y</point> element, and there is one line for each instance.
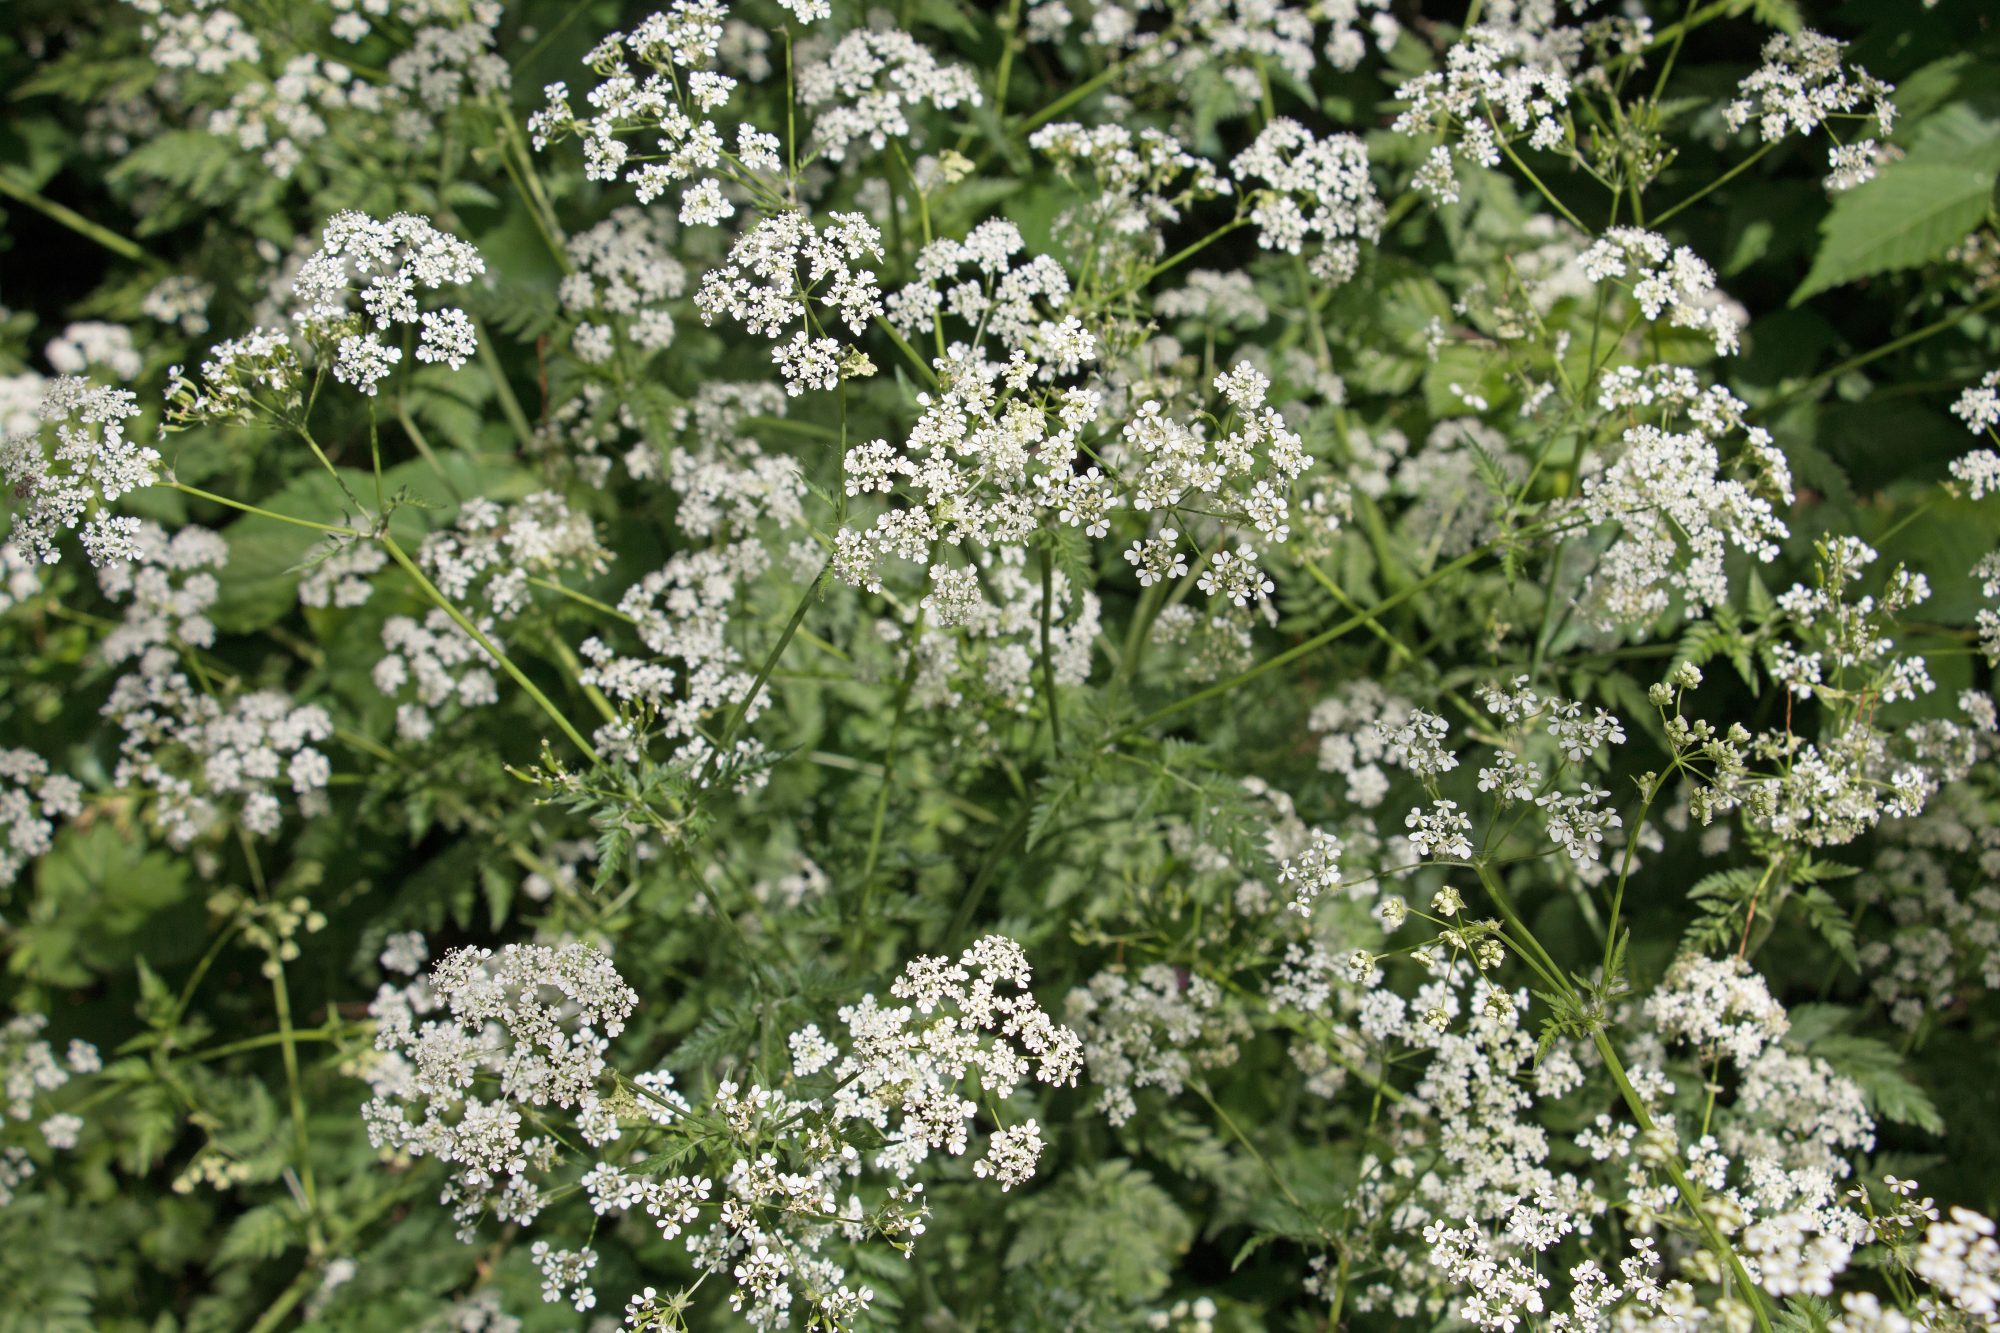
<point>1062,664</point>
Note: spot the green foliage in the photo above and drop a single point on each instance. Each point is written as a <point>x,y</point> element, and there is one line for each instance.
<point>1360,943</point>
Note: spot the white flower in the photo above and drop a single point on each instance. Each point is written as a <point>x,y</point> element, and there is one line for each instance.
<point>92,464</point>
<point>392,260</point>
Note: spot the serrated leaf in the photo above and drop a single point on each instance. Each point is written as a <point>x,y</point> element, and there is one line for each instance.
<point>1829,919</point>
<point>1248,1248</point>
<point>1958,135</point>
<point>1780,14</point>
<point>1804,1314</point>
<point>262,1233</point>
<point>1909,215</point>
<point>1877,1069</point>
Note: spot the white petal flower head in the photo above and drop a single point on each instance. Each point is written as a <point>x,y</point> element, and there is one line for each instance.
<point>388,263</point>
<point>72,486</point>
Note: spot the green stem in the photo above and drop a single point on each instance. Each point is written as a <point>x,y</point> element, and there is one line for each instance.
<point>275,1314</point>
<point>1717,183</point>
<point>423,448</point>
<point>326,1032</point>
<point>727,737</point>
<point>1717,1242</point>
<point>213,498</point>
<point>1297,651</point>
<point>1894,345</point>
<point>969,903</point>
<point>510,406</point>
<point>301,1141</point>
<point>1551,972</point>
<point>1048,654</point>
<point>909,353</point>
<point>582,599</point>
<point>123,247</point>
<point>478,636</point>
<point>1074,95</point>
<point>1236,1130</point>
<point>1500,137</point>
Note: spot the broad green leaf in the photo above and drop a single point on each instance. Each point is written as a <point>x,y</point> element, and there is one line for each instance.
<point>1909,215</point>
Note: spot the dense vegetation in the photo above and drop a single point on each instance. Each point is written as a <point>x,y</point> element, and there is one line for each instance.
<point>1072,664</point>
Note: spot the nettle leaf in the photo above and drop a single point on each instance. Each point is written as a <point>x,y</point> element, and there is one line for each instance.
<point>1915,209</point>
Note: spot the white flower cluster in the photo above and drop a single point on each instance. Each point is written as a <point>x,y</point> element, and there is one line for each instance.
<point>92,465</point>
<point>1021,305</point>
<point>440,663</point>
<point>1961,1260</point>
<point>1718,1005</point>
<point>1852,164</point>
<point>205,39</point>
<point>731,488</point>
<point>1573,809</point>
<point>314,107</point>
<point>1979,408</point>
<point>673,103</point>
<point>514,1031</point>
<point>1932,879</point>
<point>194,754</point>
<point>1287,171</point>
<point>860,90</point>
<point>1842,650</point>
<point>985,463</point>
<point>31,800</point>
<point>1666,279</point>
<point>1144,181</point>
<point>252,378</point>
<point>682,614</point>
<point>180,301</point>
<point>780,1214</point>
<point>1987,572</point>
<point>1243,477</point>
<point>479,1055</point>
<point>1498,84</point>
<point>980,636</point>
<point>448,63</point>
<point>778,270</point>
<point>1158,1027</point>
<point>1677,514</point>
<point>966,1018</point>
<point>337,574</point>
<point>169,584</point>
<point>621,280</point>
<point>89,343</point>
<point>1315,870</point>
<point>1354,727</point>
<point>394,260</point>
<point>490,553</point>
<point>484,563</point>
<point>29,1069</point>
<point>279,118</point>
<point>1804,82</point>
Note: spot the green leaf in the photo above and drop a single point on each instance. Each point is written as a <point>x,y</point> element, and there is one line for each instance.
<point>1909,215</point>
<point>1780,14</point>
<point>260,584</point>
<point>1830,920</point>
<point>1876,1067</point>
<point>1961,134</point>
<point>264,1232</point>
